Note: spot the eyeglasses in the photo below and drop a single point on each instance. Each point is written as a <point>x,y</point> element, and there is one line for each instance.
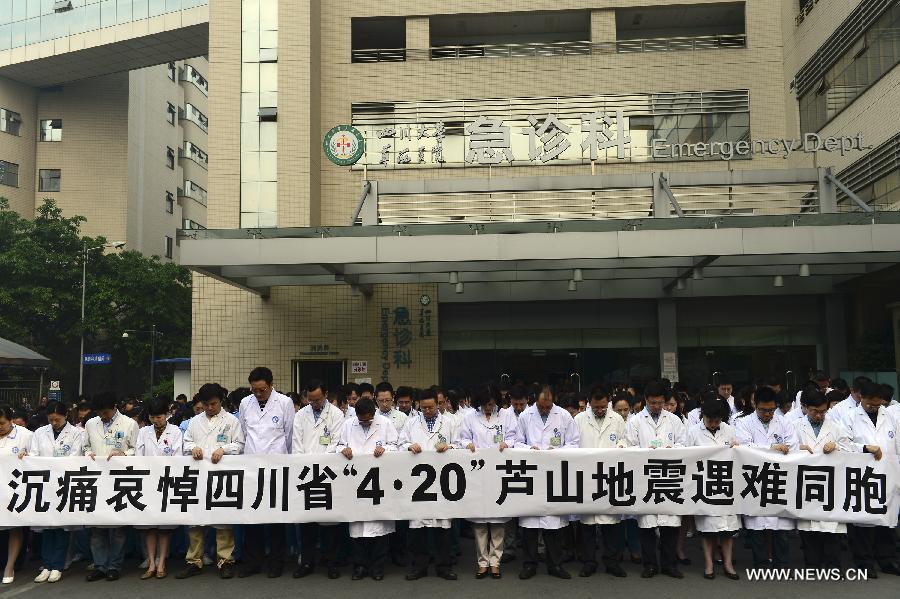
<point>258,392</point>
<point>766,410</point>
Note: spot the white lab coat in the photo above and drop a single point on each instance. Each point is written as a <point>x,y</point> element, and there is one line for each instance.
<point>397,418</point>
<point>668,431</point>
<point>831,432</point>
<point>843,411</point>
<point>560,431</point>
<point>70,442</point>
<point>416,431</point>
<point>751,432</point>
<point>170,442</point>
<point>884,435</point>
<point>601,434</point>
<point>16,441</point>
<point>267,431</point>
<point>700,436</point>
<point>317,436</point>
<point>381,433</point>
<point>694,417</point>
<point>209,434</point>
<point>487,434</point>
<point>121,435</point>
<point>796,405</point>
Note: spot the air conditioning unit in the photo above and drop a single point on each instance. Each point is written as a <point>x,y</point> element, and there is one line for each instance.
<point>62,6</point>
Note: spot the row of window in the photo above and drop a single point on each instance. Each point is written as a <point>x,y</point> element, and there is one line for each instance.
<point>11,122</point>
<point>49,179</point>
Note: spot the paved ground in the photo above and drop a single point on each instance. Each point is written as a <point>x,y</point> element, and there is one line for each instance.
<point>73,585</point>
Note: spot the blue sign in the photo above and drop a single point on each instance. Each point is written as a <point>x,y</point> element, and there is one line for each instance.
<point>98,358</point>
<point>54,395</point>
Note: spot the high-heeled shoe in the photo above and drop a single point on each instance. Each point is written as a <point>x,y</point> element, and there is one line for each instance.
<point>709,575</point>
<point>496,574</point>
<point>732,575</point>
<point>481,574</point>
<point>160,574</point>
<point>150,573</point>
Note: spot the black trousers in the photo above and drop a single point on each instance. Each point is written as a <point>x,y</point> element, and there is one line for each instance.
<point>612,543</point>
<point>821,549</point>
<point>760,548</point>
<point>370,553</point>
<point>668,538</point>
<point>398,540</point>
<point>552,547</point>
<point>309,544</point>
<point>417,539</point>
<point>870,544</point>
<point>255,545</point>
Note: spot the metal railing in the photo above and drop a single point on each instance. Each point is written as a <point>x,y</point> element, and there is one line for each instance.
<point>541,49</point>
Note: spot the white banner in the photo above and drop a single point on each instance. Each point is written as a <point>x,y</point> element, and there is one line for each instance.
<point>457,484</point>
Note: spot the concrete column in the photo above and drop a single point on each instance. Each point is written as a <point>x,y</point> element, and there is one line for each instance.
<point>418,38</point>
<point>603,26</point>
<point>667,329</point>
<point>835,335</point>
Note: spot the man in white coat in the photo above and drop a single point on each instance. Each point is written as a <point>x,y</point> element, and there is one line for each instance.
<point>815,434</point>
<point>656,428</point>
<point>763,430</point>
<point>368,432</point>
<point>599,427</point>
<point>843,412</point>
<point>384,398</point>
<point>107,435</point>
<point>211,435</point>
<point>317,428</point>
<point>267,422</point>
<point>426,432</point>
<point>873,430</point>
<point>545,426</point>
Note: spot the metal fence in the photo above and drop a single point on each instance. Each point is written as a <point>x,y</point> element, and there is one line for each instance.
<point>17,396</point>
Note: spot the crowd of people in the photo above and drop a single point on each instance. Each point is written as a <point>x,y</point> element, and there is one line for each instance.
<point>824,416</point>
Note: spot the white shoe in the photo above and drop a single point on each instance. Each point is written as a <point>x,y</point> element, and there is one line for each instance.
<point>43,576</point>
<point>207,561</point>
<point>8,579</point>
<point>55,575</point>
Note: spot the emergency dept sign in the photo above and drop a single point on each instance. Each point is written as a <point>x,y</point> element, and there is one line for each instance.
<point>844,487</point>
<point>344,145</point>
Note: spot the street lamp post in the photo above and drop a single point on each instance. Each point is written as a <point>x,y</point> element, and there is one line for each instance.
<point>153,333</point>
<point>118,245</point>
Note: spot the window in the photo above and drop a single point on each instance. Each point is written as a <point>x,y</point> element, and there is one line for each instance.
<point>192,114</point>
<point>194,191</point>
<point>9,173</point>
<point>170,202</point>
<point>193,75</point>
<point>171,113</point>
<point>51,130</point>
<point>172,71</point>
<point>188,224</point>
<point>378,40</point>
<point>170,158</point>
<point>168,246</point>
<point>196,154</point>
<point>10,121</point>
<point>49,179</point>
<point>682,21</point>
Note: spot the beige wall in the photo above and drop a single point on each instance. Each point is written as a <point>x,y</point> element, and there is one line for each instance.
<point>20,149</point>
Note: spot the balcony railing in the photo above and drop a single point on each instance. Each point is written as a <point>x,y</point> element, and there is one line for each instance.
<point>574,48</point>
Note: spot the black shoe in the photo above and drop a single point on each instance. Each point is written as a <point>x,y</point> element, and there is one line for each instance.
<point>616,570</point>
<point>191,570</point>
<point>507,557</point>
<point>672,572</point>
<point>416,575</point>
<point>709,575</point>
<point>334,573</point>
<point>480,575</point>
<point>95,575</point>
<point>526,573</point>
<point>248,571</point>
<point>732,575</point>
<point>649,572</point>
<point>274,571</point>
<point>226,571</point>
<point>112,576</point>
<point>358,574</point>
<point>684,561</point>
<point>447,575</point>
<point>497,575</point>
<point>378,577</point>
<point>559,572</point>
<point>303,570</point>
<point>891,568</point>
<point>587,570</point>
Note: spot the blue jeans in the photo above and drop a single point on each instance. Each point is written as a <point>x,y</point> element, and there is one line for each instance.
<point>108,548</point>
<point>54,545</point>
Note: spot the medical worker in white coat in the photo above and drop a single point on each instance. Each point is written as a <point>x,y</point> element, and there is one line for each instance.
<point>545,426</point>
<point>714,431</point>
<point>368,433</point>
<point>59,439</point>
<point>488,427</point>
<point>14,440</point>
<point>873,430</point>
<point>317,429</point>
<point>655,428</point>
<point>764,430</point>
<point>817,435</point>
<point>428,431</point>
<point>600,427</point>
<point>159,439</point>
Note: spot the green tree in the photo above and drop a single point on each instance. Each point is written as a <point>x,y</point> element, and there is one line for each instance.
<point>40,302</point>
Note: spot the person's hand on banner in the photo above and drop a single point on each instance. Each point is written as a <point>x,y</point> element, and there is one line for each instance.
<point>781,447</point>
<point>217,455</point>
<point>806,447</point>
<point>378,451</point>
<point>471,447</point>
<point>415,448</point>
<point>115,454</point>
<point>829,447</point>
<point>347,453</point>
<point>503,446</point>
<point>197,453</point>
<point>874,450</point>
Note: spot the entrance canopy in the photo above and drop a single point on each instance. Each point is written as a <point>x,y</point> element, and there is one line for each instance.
<point>13,354</point>
<point>644,235</point>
